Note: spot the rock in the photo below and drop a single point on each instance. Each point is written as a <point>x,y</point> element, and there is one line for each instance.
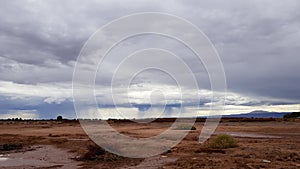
<point>249,166</point>
<point>266,161</point>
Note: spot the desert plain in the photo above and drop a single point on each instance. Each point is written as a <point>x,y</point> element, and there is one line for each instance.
<point>45,144</point>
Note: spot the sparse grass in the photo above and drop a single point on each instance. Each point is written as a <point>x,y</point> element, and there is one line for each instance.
<point>10,146</point>
<point>96,153</point>
<point>186,127</point>
<point>222,141</point>
<point>52,135</point>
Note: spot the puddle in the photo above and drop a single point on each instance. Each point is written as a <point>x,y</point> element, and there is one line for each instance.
<point>40,156</point>
<point>3,158</point>
<point>248,135</point>
<point>19,162</point>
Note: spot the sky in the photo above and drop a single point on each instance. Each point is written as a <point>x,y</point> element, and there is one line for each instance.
<point>258,42</point>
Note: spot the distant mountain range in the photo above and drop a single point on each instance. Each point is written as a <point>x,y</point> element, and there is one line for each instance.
<point>258,114</point>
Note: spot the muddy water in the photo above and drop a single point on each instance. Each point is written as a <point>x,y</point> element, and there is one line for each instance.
<point>39,156</point>
<point>3,158</point>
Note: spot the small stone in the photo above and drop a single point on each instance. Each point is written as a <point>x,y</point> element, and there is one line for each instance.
<point>266,161</point>
<point>164,156</point>
<point>249,166</point>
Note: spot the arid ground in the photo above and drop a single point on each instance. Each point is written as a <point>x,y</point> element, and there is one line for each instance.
<point>273,143</point>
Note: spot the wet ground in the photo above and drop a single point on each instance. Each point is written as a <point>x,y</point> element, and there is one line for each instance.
<point>46,156</point>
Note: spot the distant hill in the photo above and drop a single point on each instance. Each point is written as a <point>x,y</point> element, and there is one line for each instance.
<point>258,114</point>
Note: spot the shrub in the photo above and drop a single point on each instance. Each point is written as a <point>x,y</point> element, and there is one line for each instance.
<point>93,152</point>
<point>222,141</point>
<point>186,127</point>
<point>10,146</point>
<point>96,153</point>
<point>292,115</point>
<point>59,118</point>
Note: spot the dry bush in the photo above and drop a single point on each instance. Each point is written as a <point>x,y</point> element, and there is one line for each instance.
<point>10,146</point>
<point>96,153</point>
<point>186,127</point>
<point>222,141</point>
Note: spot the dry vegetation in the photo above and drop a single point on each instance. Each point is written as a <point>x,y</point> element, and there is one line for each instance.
<point>222,141</point>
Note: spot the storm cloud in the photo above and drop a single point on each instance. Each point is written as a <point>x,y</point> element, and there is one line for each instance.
<point>257,41</point>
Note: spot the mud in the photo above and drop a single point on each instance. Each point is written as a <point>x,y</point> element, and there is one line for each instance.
<point>46,156</point>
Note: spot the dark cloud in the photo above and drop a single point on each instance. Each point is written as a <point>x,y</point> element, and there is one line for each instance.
<point>258,42</point>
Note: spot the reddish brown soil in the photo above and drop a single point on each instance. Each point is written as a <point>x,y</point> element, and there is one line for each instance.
<point>270,144</point>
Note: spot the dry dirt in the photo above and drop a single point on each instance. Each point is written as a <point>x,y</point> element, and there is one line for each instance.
<point>54,144</point>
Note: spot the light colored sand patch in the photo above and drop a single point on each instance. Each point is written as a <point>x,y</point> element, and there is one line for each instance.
<point>247,135</point>
<point>153,163</point>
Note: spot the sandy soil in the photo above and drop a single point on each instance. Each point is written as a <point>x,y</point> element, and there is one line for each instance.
<point>52,144</point>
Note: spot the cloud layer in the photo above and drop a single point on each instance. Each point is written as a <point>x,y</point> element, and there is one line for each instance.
<point>258,42</point>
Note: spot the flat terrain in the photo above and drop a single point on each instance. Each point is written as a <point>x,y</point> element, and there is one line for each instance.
<point>55,144</point>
